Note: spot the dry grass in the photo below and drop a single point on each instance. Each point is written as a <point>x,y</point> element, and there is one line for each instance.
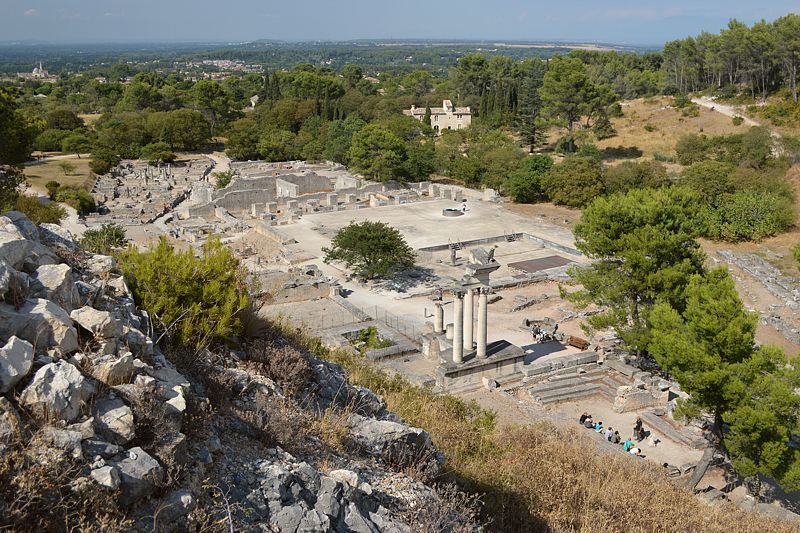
<point>667,125</point>
<point>39,174</point>
<point>545,478</point>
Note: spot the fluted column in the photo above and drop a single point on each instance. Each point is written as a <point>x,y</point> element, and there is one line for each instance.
<point>458,327</point>
<point>438,317</point>
<point>483,316</point>
<point>468,320</point>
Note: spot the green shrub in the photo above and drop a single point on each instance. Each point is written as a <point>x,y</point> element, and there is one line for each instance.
<point>38,212</point>
<point>193,301</point>
<point>796,252</point>
<point>737,120</point>
<point>692,148</point>
<point>158,152</point>
<point>747,215</point>
<point>682,100</point>
<point>100,166</point>
<point>224,178</point>
<point>574,182</point>
<point>76,197</point>
<point>104,239</point>
<point>103,160</point>
<point>524,184</point>
<point>52,188</point>
<point>51,140</point>
<point>663,158</point>
<point>632,175</point>
<point>649,128</point>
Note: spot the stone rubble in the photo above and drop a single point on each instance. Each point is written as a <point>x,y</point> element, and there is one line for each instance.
<point>76,362</point>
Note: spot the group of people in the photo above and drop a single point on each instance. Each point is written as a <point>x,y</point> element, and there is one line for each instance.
<point>612,436</point>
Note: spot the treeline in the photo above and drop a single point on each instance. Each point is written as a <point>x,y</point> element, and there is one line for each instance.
<point>761,58</point>
<point>738,181</point>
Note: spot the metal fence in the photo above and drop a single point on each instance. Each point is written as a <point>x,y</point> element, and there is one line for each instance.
<point>351,314</point>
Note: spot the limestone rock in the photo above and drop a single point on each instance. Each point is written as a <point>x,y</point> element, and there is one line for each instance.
<point>314,522</point>
<point>106,476</point>
<point>63,439</point>
<point>20,252</point>
<point>113,370</point>
<point>120,287</point>
<point>40,322</point>
<point>97,446</point>
<point>55,283</point>
<point>329,497</point>
<point>138,342</point>
<point>16,359</point>
<point>57,392</point>
<point>5,278</point>
<point>288,518</point>
<point>175,506</point>
<point>115,421</point>
<point>101,264</point>
<point>139,474</point>
<point>99,323</point>
<point>55,234</point>
<point>396,442</point>
<point>25,227</point>
<point>356,522</point>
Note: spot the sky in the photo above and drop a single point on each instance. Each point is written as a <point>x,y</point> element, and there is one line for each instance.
<point>643,22</point>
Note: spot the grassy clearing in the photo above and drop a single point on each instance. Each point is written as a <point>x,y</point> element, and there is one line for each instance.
<point>543,478</point>
<point>653,128</point>
<point>39,174</point>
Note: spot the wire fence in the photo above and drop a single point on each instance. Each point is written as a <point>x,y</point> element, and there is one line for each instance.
<point>352,314</point>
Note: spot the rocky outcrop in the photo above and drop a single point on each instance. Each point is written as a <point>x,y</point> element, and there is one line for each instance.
<point>80,375</point>
<point>398,444</point>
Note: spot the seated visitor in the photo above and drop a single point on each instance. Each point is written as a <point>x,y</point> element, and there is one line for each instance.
<point>584,416</point>
<point>627,445</point>
<point>608,433</point>
<point>598,427</point>
<point>615,438</point>
<point>589,423</point>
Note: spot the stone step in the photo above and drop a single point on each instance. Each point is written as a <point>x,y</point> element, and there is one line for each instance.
<point>669,431</point>
<point>548,386</point>
<point>584,392</point>
<point>541,395</point>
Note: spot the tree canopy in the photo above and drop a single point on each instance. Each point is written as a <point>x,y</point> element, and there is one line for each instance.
<point>370,249</point>
<point>643,248</point>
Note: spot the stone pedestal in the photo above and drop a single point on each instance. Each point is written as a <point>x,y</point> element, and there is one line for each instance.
<point>468,320</point>
<point>438,317</point>
<point>458,327</point>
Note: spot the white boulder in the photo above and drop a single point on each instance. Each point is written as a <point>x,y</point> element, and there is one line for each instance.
<point>113,370</point>
<point>56,284</point>
<point>101,264</point>
<point>16,359</point>
<point>40,322</point>
<point>57,392</point>
<point>99,323</point>
<point>114,421</point>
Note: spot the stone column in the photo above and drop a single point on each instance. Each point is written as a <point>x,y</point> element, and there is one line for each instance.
<point>469,307</point>
<point>458,327</point>
<point>483,304</point>
<point>438,317</point>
